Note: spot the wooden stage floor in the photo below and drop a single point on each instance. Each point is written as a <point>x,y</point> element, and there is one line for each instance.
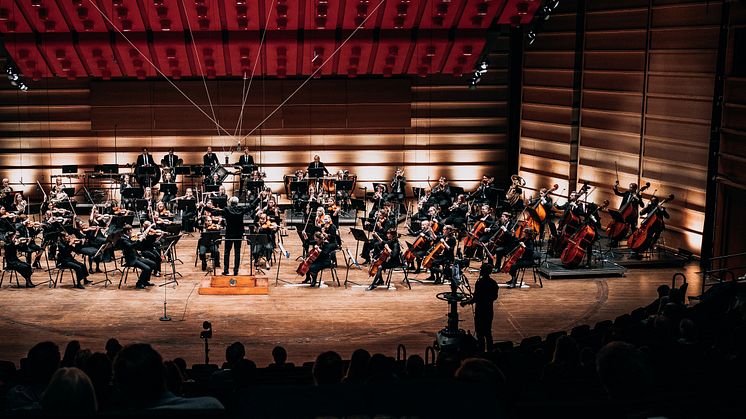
<point>305,321</point>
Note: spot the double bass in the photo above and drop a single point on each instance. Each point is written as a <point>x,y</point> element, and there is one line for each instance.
<point>476,232</point>
<point>621,221</point>
<point>536,214</point>
<point>650,229</point>
<point>574,253</point>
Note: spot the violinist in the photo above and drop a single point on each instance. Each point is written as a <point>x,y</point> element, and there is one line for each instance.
<point>12,246</point>
<point>210,159</point>
<point>317,164</point>
<point>390,245</point>
<point>331,230</point>
<point>441,267</point>
<point>323,260</point>
<point>150,246</point>
<point>27,231</point>
<point>442,194</point>
<point>7,221</point>
<point>268,228</point>
<point>457,212</point>
<point>6,192</point>
<point>222,193</point>
<point>19,204</point>
<point>68,244</point>
<point>632,196</point>
<point>526,260</point>
<point>133,259</point>
<point>206,243</point>
<point>398,186</point>
<point>333,210</point>
<point>273,211</point>
<point>94,239</point>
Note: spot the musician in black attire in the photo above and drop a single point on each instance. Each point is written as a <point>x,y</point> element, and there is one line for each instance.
<point>485,216</point>
<point>441,193</point>
<point>132,259</point>
<point>481,195</point>
<point>503,239</point>
<point>150,248</point>
<point>317,164</point>
<point>12,247</point>
<point>651,206</point>
<point>170,159</point>
<point>546,203</point>
<point>391,243</point>
<point>66,260</point>
<point>428,236</point>
<point>380,226</point>
<point>415,220</point>
<point>526,260</point>
<point>213,180</point>
<point>398,187</point>
<point>234,230</point>
<point>246,159</point>
<point>457,212</point>
<point>323,261</point>
<point>210,159</point>
<point>25,232</point>
<point>630,195</point>
<point>484,297</point>
<point>145,159</point>
<point>441,267</point>
<point>207,243</point>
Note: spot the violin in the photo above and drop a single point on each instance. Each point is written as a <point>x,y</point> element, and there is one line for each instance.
<point>650,230</point>
<point>305,265</point>
<point>382,258</point>
<point>213,227</point>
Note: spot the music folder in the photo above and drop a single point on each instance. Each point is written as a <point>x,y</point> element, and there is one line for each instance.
<point>359,235</point>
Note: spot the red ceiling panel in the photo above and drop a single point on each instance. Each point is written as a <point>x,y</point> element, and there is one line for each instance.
<point>22,47</point>
<point>464,52</point>
<point>210,55</point>
<point>135,59</point>
<point>441,14</point>
<point>203,15</point>
<point>170,50</point>
<point>11,18</point>
<point>322,14</point>
<point>519,12</point>
<point>164,15</point>
<point>480,13</point>
<point>124,14</point>
<point>354,56</point>
<point>243,51</point>
<point>44,15</point>
<point>356,11</point>
<point>62,57</point>
<point>392,51</point>
<point>96,50</point>
<point>282,53</point>
<point>400,14</point>
<point>318,47</point>
<point>84,16</point>
<point>243,15</point>
<point>285,14</point>
<point>429,53</point>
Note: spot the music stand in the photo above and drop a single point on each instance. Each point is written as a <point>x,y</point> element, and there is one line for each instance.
<point>254,185</point>
<point>359,236</point>
<point>299,186</point>
<point>69,168</point>
<point>181,170</point>
<point>316,172</point>
<point>220,201</point>
<point>343,185</point>
<point>132,193</point>
<point>110,168</point>
<point>247,169</point>
<point>168,188</point>
<point>212,188</point>
<point>255,240</point>
<point>70,192</point>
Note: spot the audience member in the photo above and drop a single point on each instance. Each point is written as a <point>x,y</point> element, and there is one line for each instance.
<point>71,351</point>
<point>328,369</point>
<point>357,371</point>
<point>280,357</point>
<point>69,392</point>
<point>98,369</point>
<point>112,348</point>
<point>42,362</point>
<point>415,367</point>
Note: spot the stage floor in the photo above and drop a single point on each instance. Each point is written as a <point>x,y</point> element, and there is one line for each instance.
<point>305,321</point>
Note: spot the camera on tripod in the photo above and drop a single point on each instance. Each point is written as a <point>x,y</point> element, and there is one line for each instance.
<point>207,332</point>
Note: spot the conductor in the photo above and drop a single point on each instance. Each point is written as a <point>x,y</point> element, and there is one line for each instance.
<point>234,229</point>
<point>317,164</point>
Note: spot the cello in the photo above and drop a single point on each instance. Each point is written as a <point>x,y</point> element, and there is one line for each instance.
<point>382,258</point>
<point>513,257</point>
<point>476,232</point>
<point>650,229</point>
<point>437,250</point>
<point>537,213</point>
<point>574,253</point>
<point>409,254</point>
<point>621,221</point>
<point>306,263</point>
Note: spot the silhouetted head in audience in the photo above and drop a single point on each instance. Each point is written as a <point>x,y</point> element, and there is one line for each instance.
<point>244,373</point>
<point>566,351</point>
<point>481,372</point>
<point>380,368</point>
<point>98,368</point>
<point>43,361</point>
<point>623,371</point>
<point>71,351</point>
<point>69,392</point>
<point>234,353</point>
<point>358,368</point>
<point>328,369</point>
<point>663,290</point>
<point>112,348</point>
<point>687,331</point>
<point>415,366</point>
<point>447,363</point>
<point>279,355</point>
<point>174,377</point>
<point>181,363</point>
<point>139,374</point>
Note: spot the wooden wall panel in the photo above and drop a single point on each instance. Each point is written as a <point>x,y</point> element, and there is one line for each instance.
<point>431,126</point>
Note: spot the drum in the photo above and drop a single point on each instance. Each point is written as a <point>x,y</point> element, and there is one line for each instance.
<point>147,175</point>
<point>329,185</point>
<point>221,171</point>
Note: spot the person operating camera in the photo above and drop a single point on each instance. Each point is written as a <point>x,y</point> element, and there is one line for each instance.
<point>485,295</point>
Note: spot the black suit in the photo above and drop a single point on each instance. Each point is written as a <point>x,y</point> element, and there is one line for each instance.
<point>485,294</point>
<point>234,231</point>
<point>246,160</point>
<point>145,159</point>
<point>132,259</point>
<point>210,159</point>
<point>170,160</point>
<point>319,165</point>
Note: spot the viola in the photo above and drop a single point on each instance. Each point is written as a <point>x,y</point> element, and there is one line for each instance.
<point>382,258</point>
<point>418,244</point>
<point>513,257</point>
<point>476,232</point>
<point>435,251</point>
<point>650,230</point>
<point>306,263</point>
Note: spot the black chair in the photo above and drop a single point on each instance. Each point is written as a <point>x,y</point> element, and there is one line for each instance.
<point>332,270</point>
<point>534,272</point>
<point>11,275</point>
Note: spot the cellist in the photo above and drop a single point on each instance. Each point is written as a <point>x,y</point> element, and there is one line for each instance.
<point>503,237</point>
<point>427,235</point>
<point>323,260</point>
<point>485,216</point>
<point>441,266</point>
<point>526,260</point>
<point>391,244</point>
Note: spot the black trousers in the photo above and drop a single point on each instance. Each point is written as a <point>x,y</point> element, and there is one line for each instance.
<point>315,268</point>
<point>155,257</point>
<point>81,272</point>
<point>483,327</point>
<point>146,267</point>
<point>23,268</point>
<point>236,245</point>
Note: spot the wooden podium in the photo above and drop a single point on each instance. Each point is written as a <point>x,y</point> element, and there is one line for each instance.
<point>235,285</point>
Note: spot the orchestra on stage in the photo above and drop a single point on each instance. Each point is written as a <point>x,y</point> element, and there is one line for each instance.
<point>139,224</point>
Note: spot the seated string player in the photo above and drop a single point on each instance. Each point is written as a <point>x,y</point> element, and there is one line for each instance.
<point>390,245</point>
<point>323,260</point>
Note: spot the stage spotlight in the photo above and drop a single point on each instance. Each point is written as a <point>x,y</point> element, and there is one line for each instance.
<point>13,77</point>
<point>23,87</point>
<point>483,66</point>
<point>531,37</point>
<point>554,4</point>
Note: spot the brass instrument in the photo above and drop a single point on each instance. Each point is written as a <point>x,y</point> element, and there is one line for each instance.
<point>512,195</point>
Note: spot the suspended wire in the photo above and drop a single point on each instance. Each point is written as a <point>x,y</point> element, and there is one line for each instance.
<point>202,73</point>
<point>331,56</point>
<point>101,12</point>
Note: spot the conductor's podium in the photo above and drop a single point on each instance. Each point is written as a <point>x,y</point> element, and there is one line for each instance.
<point>235,285</point>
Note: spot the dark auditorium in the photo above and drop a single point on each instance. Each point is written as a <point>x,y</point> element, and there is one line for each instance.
<point>368,209</point>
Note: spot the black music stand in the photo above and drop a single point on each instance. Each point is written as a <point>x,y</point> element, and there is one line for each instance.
<point>255,240</point>
<point>316,172</point>
<point>69,168</point>
<point>254,185</point>
<point>170,242</point>
<point>70,192</point>
<point>359,236</point>
<point>110,168</point>
<point>212,188</point>
<point>247,169</point>
<point>168,188</point>
<point>181,170</point>
<point>220,201</point>
<point>133,193</point>
<point>343,185</point>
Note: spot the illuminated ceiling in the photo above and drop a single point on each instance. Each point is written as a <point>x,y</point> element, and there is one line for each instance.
<point>222,38</point>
